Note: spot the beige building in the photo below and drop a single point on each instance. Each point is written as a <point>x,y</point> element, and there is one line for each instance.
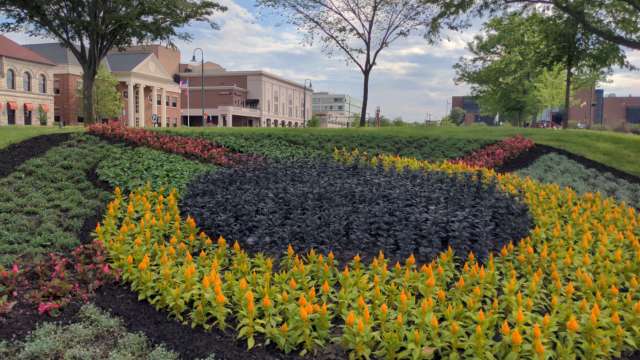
<point>242,98</point>
<point>26,86</point>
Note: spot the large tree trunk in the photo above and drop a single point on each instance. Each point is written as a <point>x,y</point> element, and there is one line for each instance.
<point>567,95</point>
<point>365,99</point>
<point>88,105</point>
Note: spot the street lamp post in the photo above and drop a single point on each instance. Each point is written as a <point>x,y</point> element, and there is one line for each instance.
<point>193,59</point>
<point>304,105</point>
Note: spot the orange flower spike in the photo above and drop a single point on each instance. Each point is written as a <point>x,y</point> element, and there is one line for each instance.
<point>206,284</point>
<point>520,317</point>
<point>236,246</point>
<point>242,284</point>
<point>304,315</point>
<point>411,260</point>
<point>516,338</point>
<point>361,302</point>
<point>312,294</point>
<point>384,310</point>
<point>434,322</point>
<point>572,325</point>
<point>222,243</point>
<point>302,301</point>
<point>325,288</point>
<point>360,326</point>
<point>569,289</point>
<point>366,315</point>
<point>293,284</point>
<point>400,319</point>
<point>284,328</point>
<point>505,329</point>
<point>290,251</point>
<point>538,347</point>
<point>220,299</point>
<point>455,328</point>
<point>431,282</point>
<point>481,316</point>
<point>144,264</point>
<point>614,290</point>
<point>441,295</point>
<point>130,260</point>
<point>351,319</point>
<point>537,333</point>
<point>331,256</point>
<point>615,318</point>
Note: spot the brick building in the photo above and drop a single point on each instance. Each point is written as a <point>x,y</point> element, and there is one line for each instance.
<point>242,98</point>
<point>471,110</point>
<point>143,79</point>
<point>26,82</point>
<point>593,108</point>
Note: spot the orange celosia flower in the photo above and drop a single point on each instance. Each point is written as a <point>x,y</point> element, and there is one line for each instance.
<point>434,322</point>
<point>360,326</point>
<point>302,301</point>
<point>220,299</point>
<point>516,338</point>
<point>537,347</point>
<point>455,328</point>
<point>572,324</point>
<point>304,315</point>
<point>351,319</point>
<point>129,259</point>
<point>411,260</point>
<point>290,251</point>
<point>144,264</point>
<point>284,328</point>
<point>266,302</point>
<point>293,284</point>
<point>506,330</point>
<point>537,333</point>
<point>325,288</point>
<point>520,317</point>
<point>431,282</point>
<point>384,309</point>
<point>615,318</point>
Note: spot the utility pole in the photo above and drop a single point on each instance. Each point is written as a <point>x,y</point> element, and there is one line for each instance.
<point>378,116</point>
<point>304,104</point>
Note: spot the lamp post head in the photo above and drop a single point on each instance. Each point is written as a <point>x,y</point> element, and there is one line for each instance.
<point>193,59</point>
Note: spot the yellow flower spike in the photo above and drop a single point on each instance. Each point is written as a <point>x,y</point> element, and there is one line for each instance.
<point>242,284</point>
<point>400,319</point>
<point>572,324</point>
<point>236,246</point>
<point>516,338</point>
<point>350,320</point>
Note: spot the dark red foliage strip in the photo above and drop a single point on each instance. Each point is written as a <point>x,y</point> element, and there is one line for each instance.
<point>198,148</point>
<point>498,154</point>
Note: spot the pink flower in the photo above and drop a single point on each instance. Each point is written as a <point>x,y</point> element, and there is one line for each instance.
<point>105,268</point>
<point>15,269</point>
<point>47,307</point>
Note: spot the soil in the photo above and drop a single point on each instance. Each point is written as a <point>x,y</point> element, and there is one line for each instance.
<point>15,154</point>
<point>190,343</point>
<point>529,157</point>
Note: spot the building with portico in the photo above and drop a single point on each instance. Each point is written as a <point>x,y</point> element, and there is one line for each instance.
<point>26,79</point>
<point>150,95</point>
<point>242,98</point>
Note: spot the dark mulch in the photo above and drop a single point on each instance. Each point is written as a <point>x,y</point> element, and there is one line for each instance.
<point>15,154</point>
<point>189,343</point>
<point>529,157</point>
<point>24,318</point>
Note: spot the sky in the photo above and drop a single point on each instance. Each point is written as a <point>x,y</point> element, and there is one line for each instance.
<point>412,79</point>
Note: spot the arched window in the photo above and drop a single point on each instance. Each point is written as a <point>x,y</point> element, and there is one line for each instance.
<point>268,122</point>
<point>26,82</point>
<point>11,79</point>
<point>42,84</point>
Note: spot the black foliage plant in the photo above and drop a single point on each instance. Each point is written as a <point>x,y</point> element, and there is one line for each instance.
<point>354,210</point>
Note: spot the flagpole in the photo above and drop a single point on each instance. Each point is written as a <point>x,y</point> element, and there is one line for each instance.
<point>188,106</point>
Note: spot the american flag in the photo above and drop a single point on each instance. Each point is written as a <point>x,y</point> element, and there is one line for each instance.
<point>184,84</point>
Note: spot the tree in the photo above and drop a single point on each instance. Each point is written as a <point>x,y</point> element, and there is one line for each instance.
<point>92,28</point>
<point>314,121</point>
<point>359,29</point>
<point>518,47</point>
<point>107,102</point>
<point>617,21</point>
<point>457,116</point>
<point>549,88</point>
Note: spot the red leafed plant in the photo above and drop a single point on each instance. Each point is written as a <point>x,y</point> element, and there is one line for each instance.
<point>197,148</point>
<point>56,281</point>
<point>496,155</point>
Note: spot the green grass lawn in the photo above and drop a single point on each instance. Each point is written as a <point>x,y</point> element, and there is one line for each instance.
<point>617,150</point>
<point>13,134</point>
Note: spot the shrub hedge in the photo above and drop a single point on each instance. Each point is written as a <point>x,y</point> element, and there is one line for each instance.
<point>559,169</point>
<point>44,203</point>
<point>354,210</point>
<point>568,290</point>
<point>300,144</point>
<point>131,168</point>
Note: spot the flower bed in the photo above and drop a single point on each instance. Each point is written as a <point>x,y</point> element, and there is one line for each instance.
<point>354,210</point>
<point>196,148</point>
<point>496,155</point>
<point>567,290</point>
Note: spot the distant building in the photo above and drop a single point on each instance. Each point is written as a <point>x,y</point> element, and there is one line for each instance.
<point>471,110</point>
<point>150,95</point>
<point>593,108</point>
<point>242,98</point>
<point>335,110</point>
<point>26,86</point>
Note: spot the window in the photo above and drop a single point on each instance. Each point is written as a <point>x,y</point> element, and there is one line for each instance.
<point>26,82</point>
<point>42,84</point>
<point>79,84</point>
<point>174,102</point>
<point>166,103</point>
<point>80,119</point>
<point>159,100</point>
<point>125,94</point>
<point>11,80</point>
<point>56,87</point>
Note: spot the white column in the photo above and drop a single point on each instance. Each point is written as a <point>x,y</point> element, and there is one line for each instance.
<point>141,105</point>
<point>154,101</point>
<point>164,107</point>
<point>229,120</point>
<point>131,107</point>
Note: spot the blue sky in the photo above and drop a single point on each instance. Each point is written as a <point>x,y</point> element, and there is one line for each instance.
<point>412,78</point>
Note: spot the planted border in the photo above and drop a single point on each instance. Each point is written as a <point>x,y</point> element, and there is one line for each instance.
<point>195,148</point>
<point>568,290</point>
<point>496,155</point>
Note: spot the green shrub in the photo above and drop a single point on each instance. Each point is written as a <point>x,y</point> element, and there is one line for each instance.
<point>559,169</point>
<point>95,336</point>
<point>131,168</point>
<point>306,143</point>
<point>44,203</point>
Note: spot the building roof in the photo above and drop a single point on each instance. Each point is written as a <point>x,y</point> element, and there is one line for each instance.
<point>11,49</point>
<point>126,61</point>
<point>55,52</point>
